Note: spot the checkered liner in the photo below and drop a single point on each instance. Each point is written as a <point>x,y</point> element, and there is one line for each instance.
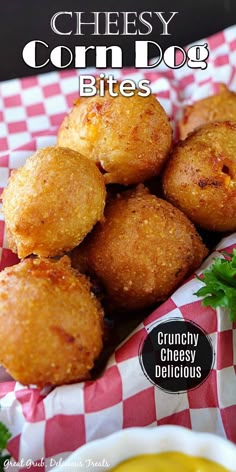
<point>55,424</point>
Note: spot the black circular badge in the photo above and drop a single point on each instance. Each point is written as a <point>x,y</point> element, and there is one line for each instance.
<point>177,355</point>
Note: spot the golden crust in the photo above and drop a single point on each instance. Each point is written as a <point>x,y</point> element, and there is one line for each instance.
<point>51,324</point>
<point>142,250</point>
<point>52,202</point>
<point>200,177</point>
<point>128,138</point>
<point>219,107</point>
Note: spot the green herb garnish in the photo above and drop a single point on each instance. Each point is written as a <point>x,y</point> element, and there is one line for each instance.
<point>220,285</point>
<point>4,437</point>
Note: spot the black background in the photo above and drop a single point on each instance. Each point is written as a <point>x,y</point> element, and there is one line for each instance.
<point>24,20</point>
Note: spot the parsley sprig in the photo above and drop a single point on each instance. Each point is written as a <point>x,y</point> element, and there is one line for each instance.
<point>220,284</point>
<point>4,437</point>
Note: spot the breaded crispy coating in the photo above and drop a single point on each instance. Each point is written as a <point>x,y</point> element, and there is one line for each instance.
<point>129,138</point>
<point>51,323</point>
<point>52,202</point>
<point>142,250</point>
<point>200,177</point>
<point>219,107</point>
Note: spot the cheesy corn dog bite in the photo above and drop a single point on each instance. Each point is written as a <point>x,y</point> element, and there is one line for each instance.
<point>200,176</point>
<point>52,202</point>
<point>218,107</point>
<point>129,138</point>
<point>142,250</point>
<point>51,323</point>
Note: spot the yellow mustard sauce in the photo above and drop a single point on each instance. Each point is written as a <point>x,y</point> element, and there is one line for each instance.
<point>168,462</point>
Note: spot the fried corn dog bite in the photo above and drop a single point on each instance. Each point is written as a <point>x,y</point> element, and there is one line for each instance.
<point>129,138</point>
<point>142,250</point>
<point>219,107</point>
<point>52,202</point>
<point>200,177</point>
<point>51,323</point>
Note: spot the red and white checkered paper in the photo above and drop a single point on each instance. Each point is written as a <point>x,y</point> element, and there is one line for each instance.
<point>53,425</point>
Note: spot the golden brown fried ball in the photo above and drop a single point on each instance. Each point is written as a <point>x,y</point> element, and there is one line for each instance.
<point>52,202</point>
<point>200,177</point>
<point>142,250</point>
<point>219,107</point>
<point>51,324</point>
<point>129,138</point>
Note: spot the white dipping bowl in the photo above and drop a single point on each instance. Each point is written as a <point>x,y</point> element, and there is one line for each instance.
<point>103,454</point>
